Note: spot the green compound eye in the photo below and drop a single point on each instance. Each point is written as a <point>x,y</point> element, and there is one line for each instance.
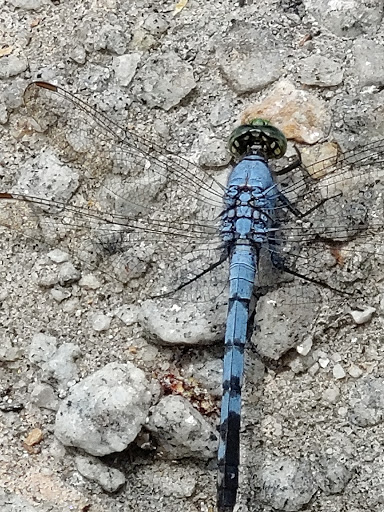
<point>258,135</point>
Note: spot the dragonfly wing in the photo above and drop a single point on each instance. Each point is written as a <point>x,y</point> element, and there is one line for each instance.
<point>340,236</point>
<point>139,212</point>
<point>139,175</point>
<point>150,255</point>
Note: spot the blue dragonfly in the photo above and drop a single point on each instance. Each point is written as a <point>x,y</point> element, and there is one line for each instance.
<point>139,205</point>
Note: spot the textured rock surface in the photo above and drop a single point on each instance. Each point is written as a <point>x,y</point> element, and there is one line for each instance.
<point>182,76</point>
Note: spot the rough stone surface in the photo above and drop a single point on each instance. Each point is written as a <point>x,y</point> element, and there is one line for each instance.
<point>109,479</point>
<point>181,430</point>
<point>112,404</point>
<point>287,484</point>
<point>299,114</point>
<point>313,67</point>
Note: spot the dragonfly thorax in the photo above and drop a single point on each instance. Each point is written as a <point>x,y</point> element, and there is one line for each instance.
<point>249,202</point>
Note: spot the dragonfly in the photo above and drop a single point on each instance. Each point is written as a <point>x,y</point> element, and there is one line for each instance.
<point>147,215</point>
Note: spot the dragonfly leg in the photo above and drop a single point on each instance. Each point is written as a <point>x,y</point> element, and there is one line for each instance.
<point>193,279</point>
<point>287,203</point>
<point>294,165</point>
<point>323,201</point>
<point>278,262</point>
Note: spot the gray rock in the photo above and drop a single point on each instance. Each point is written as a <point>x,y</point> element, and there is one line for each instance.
<point>344,18</point>
<point>221,113</point>
<point>367,402</point>
<point>331,394</point>
<point>181,430</point>
<point>112,404</point>
<point>12,65</point>
<point>78,54</point>
<point>109,37</point>
<point>61,366</point>
<point>58,256</point>
<point>320,71</point>
<point>156,24</point>
<point>9,351</point>
<point>245,69</point>
<point>109,479</point>
<point>47,278</point>
<point>125,67</point>
<point>60,294</point>
<point>280,323</point>
<point>100,322</point>
<point>332,475</point>
<point>215,154</point>
<point>251,73</point>
<point>42,348</point>
<point>45,176</point>
<point>13,94</point>
<point>43,396</point>
<point>369,57</point>
<point>287,484</point>
<point>68,274</point>
<point>166,81</point>
<point>191,324</point>
<point>89,282</point>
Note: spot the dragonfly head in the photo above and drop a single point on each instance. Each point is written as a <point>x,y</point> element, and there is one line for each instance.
<point>259,136</point>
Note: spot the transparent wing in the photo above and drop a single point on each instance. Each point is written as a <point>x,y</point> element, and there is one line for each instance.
<point>136,171</point>
<point>332,230</point>
<point>139,210</point>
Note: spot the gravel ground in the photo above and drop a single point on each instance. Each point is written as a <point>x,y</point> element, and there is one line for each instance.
<point>184,74</point>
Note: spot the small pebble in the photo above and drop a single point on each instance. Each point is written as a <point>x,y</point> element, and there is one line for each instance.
<point>58,256</point>
<point>89,282</point>
<point>305,347</point>
<point>314,369</point>
<point>101,322</point>
<point>110,479</point>
<point>331,394</point>
<point>128,313</point>
<point>336,358</point>
<point>68,274</point>
<point>60,294</point>
<point>338,371</point>
<point>361,317</point>
<point>354,371</point>
<point>324,362</point>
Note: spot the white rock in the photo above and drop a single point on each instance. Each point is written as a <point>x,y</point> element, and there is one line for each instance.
<point>324,361</point>
<point>331,394</point>
<point>125,67</point>
<point>361,317</point>
<point>100,322</point>
<point>105,411</point>
<point>305,347</point>
<point>338,371</point>
<point>58,256</point>
<point>354,371</point>
<point>89,282</point>
<point>110,479</point>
